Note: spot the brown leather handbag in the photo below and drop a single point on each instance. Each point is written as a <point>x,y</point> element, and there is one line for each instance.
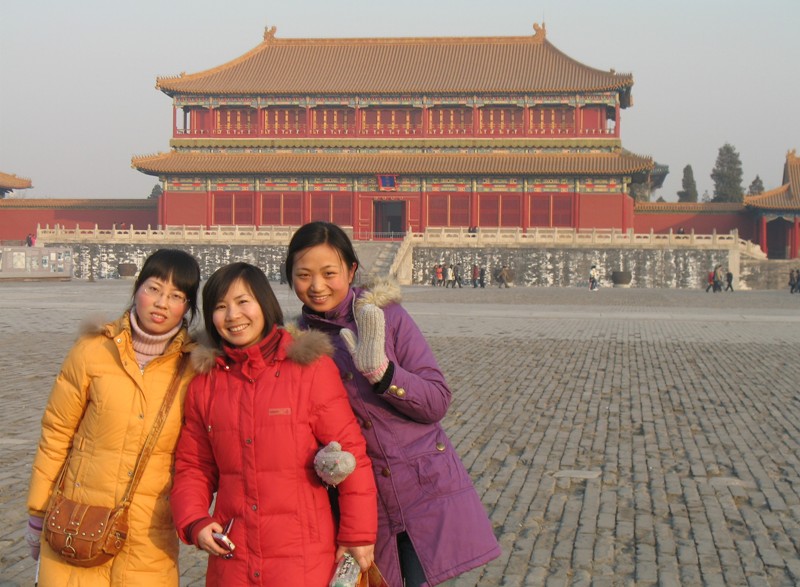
<point>90,535</point>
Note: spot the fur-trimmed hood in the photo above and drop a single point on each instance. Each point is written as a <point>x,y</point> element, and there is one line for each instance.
<point>380,291</point>
<point>305,348</point>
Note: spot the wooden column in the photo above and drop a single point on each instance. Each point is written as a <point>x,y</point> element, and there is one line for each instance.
<point>762,236</point>
<point>793,254</point>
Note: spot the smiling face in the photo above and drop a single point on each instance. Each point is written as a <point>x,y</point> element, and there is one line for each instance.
<point>321,278</point>
<point>238,317</point>
<point>159,306</point>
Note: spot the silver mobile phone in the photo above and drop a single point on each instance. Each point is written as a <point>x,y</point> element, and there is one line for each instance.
<point>221,538</point>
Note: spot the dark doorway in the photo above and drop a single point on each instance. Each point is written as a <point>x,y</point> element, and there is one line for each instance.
<point>390,219</point>
<point>778,238</point>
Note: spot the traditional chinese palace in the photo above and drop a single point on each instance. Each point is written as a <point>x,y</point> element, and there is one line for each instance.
<point>387,134</point>
<point>384,134</point>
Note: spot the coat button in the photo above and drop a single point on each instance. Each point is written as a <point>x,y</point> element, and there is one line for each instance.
<point>368,425</point>
<point>254,507</point>
<point>400,392</point>
<point>440,446</point>
<point>392,389</point>
<point>348,376</point>
<point>386,472</point>
<point>250,380</point>
<point>249,441</point>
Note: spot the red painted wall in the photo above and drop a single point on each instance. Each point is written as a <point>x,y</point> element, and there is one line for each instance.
<point>16,223</point>
<point>188,209</point>
<point>700,223</point>
<point>603,210</point>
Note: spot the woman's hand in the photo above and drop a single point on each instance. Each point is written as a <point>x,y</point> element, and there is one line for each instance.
<point>368,348</point>
<point>205,541</point>
<point>364,555</point>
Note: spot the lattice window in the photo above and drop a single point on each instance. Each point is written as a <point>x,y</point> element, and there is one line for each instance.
<point>223,208</point>
<point>292,209</point>
<point>342,213</point>
<point>243,212</point>
<point>540,211</point>
<point>438,209</point>
<point>459,210</point>
<point>510,210</point>
<point>488,210</point>
<point>562,210</point>
<point>271,209</point>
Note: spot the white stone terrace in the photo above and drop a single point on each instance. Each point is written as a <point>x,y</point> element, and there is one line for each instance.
<point>434,237</point>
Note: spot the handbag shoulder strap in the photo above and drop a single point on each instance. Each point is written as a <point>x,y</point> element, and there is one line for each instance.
<point>150,442</point>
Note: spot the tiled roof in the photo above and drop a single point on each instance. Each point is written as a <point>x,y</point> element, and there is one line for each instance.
<point>785,197</point>
<point>688,207</point>
<point>791,173</point>
<point>622,163</point>
<point>104,204</point>
<point>778,199</point>
<point>9,181</point>
<point>431,65</point>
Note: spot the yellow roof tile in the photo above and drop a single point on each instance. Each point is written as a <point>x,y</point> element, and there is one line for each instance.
<point>9,181</point>
<point>621,163</point>
<point>430,65</point>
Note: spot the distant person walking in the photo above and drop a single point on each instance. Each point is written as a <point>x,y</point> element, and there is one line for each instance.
<point>710,281</point>
<point>792,281</point>
<point>503,277</point>
<point>482,278</point>
<point>476,274</point>
<point>729,281</point>
<point>593,275</point>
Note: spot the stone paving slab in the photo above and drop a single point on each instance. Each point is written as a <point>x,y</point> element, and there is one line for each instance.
<point>623,437</point>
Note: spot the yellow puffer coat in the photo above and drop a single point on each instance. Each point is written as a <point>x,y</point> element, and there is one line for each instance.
<point>102,407</point>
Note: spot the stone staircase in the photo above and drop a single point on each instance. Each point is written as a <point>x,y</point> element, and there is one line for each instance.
<point>376,257</point>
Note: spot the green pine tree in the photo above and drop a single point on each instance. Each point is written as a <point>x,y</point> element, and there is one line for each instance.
<point>689,191</point>
<point>756,187</point>
<point>727,176</point>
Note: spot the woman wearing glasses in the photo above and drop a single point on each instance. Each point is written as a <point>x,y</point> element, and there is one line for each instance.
<point>102,408</point>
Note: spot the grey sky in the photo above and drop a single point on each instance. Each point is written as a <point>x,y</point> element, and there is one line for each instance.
<point>78,97</point>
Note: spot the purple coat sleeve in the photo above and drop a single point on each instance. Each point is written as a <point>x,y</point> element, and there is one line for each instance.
<point>418,388</point>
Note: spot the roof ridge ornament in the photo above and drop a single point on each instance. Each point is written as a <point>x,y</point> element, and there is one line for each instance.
<point>539,32</point>
<point>269,33</point>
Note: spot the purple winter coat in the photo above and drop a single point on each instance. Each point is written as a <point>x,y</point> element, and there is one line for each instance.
<point>423,487</point>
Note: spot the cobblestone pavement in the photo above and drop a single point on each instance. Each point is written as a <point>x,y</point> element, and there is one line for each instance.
<point>623,437</point>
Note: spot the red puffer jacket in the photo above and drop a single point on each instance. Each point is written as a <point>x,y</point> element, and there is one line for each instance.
<point>253,424</point>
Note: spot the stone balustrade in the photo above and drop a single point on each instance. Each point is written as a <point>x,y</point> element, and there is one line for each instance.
<point>431,237</point>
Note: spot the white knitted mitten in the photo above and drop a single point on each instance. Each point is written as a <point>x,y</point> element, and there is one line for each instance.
<point>333,464</point>
<point>368,349</point>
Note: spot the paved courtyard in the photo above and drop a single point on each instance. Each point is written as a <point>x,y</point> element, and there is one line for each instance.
<point>623,437</point>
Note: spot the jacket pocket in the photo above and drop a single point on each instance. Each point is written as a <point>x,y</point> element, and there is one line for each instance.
<point>441,473</point>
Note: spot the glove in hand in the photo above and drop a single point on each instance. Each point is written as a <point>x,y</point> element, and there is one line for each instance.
<point>333,464</point>
<point>368,349</point>
<point>33,535</point>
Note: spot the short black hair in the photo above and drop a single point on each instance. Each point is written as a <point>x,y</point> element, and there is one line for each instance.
<point>176,266</point>
<point>254,278</point>
<point>320,233</point>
